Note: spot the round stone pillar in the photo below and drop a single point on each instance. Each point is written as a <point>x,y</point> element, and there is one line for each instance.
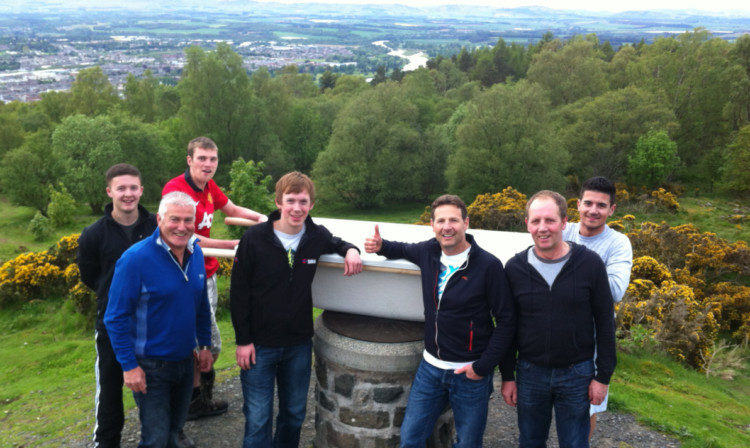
<point>364,368</point>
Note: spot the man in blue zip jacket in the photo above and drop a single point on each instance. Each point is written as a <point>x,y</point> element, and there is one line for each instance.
<point>463,288</point>
<point>158,309</point>
<point>271,305</point>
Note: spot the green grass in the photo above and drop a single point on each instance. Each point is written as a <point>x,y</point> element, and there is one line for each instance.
<point>15,238</point>
<point>48,385</point>
<point>683,403</point>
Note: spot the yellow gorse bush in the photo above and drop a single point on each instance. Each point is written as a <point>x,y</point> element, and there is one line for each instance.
<point>499,211</point>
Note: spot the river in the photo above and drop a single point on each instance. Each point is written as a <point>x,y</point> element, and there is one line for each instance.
<point>415,60</point>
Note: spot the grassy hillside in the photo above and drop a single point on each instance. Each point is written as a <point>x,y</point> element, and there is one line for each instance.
<point>48,352</point>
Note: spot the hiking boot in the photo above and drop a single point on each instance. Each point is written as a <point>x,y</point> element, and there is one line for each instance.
<point>204,404</point>
<point>183,441</point>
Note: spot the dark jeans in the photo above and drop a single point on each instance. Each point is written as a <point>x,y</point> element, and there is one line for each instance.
<point>163,408</point>
<point>430,394</point>
<point>289,368</point>
<point>110,417</point>
<point>567,390</point>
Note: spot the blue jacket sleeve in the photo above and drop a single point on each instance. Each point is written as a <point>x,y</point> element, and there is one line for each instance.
<point>124,295</point>
<point>203,316</point>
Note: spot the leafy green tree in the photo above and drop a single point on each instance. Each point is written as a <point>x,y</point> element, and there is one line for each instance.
<point>55,105</point>
<point>654,159</point>
<point>690,72</point>
<point>216,101</point>
<point>250,188</point>
<point>736,176</point>
<point>327,80</point>
<point>85,147</point>
<point>91,93</point>
<point>25,172</point>
<point>599,133</point>
<point>505,138</point>
<point>569,72</point>
<point>306,137</point>
<point>374,151</point>
<point>11,132</point>
<point>145,147</point>
<point>140,96</point>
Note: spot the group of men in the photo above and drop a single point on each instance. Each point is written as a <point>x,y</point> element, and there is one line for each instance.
<point>546,318</point>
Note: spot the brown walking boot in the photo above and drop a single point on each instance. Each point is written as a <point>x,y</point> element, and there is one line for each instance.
<point>204,405</point>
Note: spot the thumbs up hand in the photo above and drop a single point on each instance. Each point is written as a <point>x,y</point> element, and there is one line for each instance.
<point>374,243</point>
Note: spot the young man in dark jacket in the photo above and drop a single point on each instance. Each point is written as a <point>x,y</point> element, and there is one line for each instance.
<point>463,289</point>
<point>100,245</point>
<point>271,306</point>
<point>565,310</point>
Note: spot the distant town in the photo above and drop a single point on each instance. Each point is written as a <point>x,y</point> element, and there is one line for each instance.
<point>43,46</point>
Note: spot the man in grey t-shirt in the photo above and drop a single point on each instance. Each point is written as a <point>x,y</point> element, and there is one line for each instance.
<point>597,203</point>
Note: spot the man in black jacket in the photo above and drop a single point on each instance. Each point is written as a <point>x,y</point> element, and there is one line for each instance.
<point>463,288</point>
<point>565,310</point>
<point>271,306</point>
<point>100,245</point>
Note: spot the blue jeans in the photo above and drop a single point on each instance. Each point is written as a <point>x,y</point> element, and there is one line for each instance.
<point>431,391</point>
<point>290,368</point>
<point>567,389</point>
<point>163,408</point>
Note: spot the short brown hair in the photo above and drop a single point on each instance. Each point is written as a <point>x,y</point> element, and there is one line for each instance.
<point>294,182</point>
<point>449,199</point>
<point>201,142</point>
<point>121,169</point>
<point>562,204</point>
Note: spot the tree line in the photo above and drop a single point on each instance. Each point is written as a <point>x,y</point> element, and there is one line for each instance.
<point>536,116</point>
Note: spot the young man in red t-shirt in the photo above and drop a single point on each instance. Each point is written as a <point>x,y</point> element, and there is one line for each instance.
<point>197,181</point>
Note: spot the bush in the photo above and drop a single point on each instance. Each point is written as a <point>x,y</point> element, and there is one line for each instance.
<point>249,188</point>
<point>499,211</point>
<point>62,207</point>
<point>41,227</point>
<point>50,273</point>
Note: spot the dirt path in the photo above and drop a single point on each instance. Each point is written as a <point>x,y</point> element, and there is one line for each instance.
<point>613,430</point>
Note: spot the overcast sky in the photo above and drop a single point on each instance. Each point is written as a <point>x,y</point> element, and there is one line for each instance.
<point>591,5</point>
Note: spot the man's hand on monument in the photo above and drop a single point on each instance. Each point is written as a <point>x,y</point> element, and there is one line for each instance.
<point>245,356</point>
<point>135,379</point>
<point>469,371</point>
<point>374,243</point>
<point>352,263</point>
<point>597,392</point>
<point>509,391</point>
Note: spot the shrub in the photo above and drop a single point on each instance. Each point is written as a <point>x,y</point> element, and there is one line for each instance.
<point>663,200</point>
<point>30,276</point>
<point>683,327</point>
<point>62,206</point>
<point>41,227</point>
<point>250,188</point>
<point>499,211</point>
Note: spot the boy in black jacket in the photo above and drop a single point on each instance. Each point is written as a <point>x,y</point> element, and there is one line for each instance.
<point>100,245</point>
<point>271,306</point>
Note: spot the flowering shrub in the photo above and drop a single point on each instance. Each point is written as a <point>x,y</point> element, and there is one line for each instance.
<point>682,325</point>
<point>33,276</point>
<point>662,199</point>
<point>30,276</point>
<point>499,211</point>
